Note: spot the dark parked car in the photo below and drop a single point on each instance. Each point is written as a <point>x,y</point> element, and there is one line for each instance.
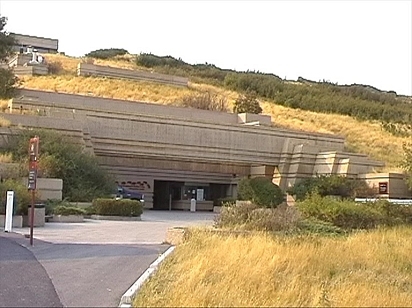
<point>126,193</point>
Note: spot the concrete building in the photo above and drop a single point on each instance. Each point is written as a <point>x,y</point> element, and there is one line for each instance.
<point>41,44</point>
<point>173,154</point>
<point>387,185</point>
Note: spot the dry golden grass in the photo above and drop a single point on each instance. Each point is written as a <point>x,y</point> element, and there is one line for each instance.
<point>4,122</point>
<point>361,136</point>
<point>6,158</point>
<point>109,88</point>
<point>366,269</point>
<point>4,104</point>
<point>69,64</point>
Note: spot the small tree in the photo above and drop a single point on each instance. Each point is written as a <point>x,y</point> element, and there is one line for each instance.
<point>7,78</point>
<point>261,191</point>
<point>83,178</point>
<point>247,103</point>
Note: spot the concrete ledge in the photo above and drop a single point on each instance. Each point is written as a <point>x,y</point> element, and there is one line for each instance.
<point>129,295</point>
<point>217,209</point>
<point>175,235</point>
<point>17,221</point>
<point>39,217</point>
<point>115,218</point>
<point>67,218</point>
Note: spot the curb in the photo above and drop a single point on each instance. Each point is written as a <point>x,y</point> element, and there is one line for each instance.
<point>127,297</point>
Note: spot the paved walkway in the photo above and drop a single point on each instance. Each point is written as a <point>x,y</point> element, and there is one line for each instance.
<point>150,230</point>
<point>92,264</point>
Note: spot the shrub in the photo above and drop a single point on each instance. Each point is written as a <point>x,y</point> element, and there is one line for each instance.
<point>84,179</point>
<point>205,101</point>
<point>247,103</point>
<point>68,210</point>
<point>395,214</point>
<point>22,196</point>
<point>224,201</point>
<point>113,207</point>
<point>326,185</point>
<point>315,226</point>
<point>341,213</point>
<point>261,191</point>
<point>51,204</point>
<point>7,83</point>
<point>248,216</point>
<point>107,53</point>
<point>282,218</point>
<point>55,68</point>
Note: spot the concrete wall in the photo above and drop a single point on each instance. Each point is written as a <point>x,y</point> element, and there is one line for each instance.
<point>20,59</point>
<point>395,182</point>
<point>142,142</point>
<point>46,44</point>
<point>256,119</point>
<point>34,70</point>
<point>86,69</point>
<point>48,188</point>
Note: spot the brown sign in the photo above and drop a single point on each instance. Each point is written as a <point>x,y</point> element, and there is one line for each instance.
<point>383,187</point>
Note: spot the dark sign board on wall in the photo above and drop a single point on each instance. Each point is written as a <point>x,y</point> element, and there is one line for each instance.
<point>383,187</point>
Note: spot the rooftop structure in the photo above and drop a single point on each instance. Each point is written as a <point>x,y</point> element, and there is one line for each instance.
<point>40,44</point>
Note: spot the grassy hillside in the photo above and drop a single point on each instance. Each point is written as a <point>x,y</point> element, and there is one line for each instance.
<point>366,269</point>
<point>363,136</point>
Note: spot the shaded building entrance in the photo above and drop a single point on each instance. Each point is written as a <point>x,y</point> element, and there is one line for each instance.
<point>173,195</point>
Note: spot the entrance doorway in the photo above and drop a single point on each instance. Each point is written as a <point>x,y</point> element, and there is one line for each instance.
<point>164,192</point>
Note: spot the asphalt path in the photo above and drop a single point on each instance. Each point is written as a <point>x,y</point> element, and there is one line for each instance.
<point>90,264</point>
<point>69,275</point>
<point>23,280</point>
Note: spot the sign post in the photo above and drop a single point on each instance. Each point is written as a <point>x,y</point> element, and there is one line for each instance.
<point>9,211</point>
<point>33,160</point>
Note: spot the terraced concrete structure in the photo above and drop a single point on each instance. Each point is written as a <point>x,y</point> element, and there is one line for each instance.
<point>41,44</point>
<point>174,154</point>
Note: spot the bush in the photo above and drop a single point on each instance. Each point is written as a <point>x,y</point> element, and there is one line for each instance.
<point>84,179</point>
<point>247,103</point>
<point>68,210</point>
<point>261,191</point>
<point>205,101</point>
<point>245,215</point>
<point>326,185</point>
<point>113,207</point>
<point>316,226</point>
<point>107,53</point>
<point>55,68</point>
<point>22,196</point>
<point>50,204</point>
<point>342,213</point>
<point>224,201</point>
<point>7,83</point>
<point>395,214</point>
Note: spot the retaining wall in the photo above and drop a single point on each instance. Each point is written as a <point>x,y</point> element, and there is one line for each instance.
<point>85,69</point>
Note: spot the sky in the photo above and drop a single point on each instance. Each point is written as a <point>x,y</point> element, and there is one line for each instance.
<point>344,42</point>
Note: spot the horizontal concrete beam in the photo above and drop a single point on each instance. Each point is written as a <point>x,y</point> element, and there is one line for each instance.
<point>86,69</point>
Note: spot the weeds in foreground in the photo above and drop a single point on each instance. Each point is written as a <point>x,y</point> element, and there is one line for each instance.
<point>363,269</point>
